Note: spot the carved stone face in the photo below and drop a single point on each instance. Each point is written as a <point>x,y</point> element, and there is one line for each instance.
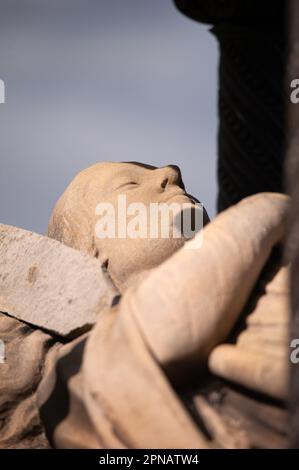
<point>74,219</point>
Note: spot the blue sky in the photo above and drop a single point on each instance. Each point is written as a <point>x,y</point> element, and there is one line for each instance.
<point>93,80</point>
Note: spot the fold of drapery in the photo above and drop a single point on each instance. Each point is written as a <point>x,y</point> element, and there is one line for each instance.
<point>26,351</point>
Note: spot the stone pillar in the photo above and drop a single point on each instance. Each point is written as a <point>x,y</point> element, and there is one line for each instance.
<point>251,136</point>
<point>293,187</point>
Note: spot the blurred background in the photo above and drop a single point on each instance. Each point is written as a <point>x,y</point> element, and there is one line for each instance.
<point>98,80</point>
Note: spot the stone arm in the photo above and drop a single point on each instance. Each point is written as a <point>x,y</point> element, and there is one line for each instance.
<point>191,302</point>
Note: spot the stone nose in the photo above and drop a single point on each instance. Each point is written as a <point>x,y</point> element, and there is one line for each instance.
<point>168,175</point>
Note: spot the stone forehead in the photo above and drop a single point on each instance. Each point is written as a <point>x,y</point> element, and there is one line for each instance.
<point>100,177</point>
<point>108,170</point>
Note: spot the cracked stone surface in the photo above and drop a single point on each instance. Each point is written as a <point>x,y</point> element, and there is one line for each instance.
<point>49,285</point>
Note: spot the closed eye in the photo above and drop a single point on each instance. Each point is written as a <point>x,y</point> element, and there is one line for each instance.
<point>127,185</point>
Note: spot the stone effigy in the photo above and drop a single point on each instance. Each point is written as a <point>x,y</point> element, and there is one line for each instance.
<point>125,383</point>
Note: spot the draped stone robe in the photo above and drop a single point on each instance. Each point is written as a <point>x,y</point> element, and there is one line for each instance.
<point>138,378</point>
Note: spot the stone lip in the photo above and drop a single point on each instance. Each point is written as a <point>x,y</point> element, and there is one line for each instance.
<point>49,285</point>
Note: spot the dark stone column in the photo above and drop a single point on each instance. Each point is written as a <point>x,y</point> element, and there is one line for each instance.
<point>293,187</point>
<point>251,137</point>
